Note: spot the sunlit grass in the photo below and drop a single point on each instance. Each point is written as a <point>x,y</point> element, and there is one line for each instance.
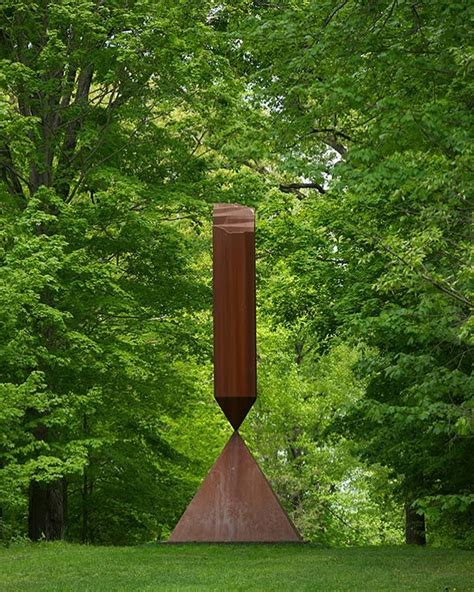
<point>65,567</point>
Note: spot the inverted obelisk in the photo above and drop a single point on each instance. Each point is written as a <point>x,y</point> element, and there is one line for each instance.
<point>235,503</point>
<point>235,372</point>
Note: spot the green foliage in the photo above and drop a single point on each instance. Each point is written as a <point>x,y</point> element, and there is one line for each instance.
<point>90,315</point>
<point>332,498</point>
<point>105,300</point>
<point>370,115</point>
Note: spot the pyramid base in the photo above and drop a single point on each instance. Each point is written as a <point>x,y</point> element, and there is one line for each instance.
<point>235,504</point>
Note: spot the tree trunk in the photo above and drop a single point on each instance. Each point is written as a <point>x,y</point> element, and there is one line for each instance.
<point>46,517</point>
<point>85,508</point>
<point>415,533</point>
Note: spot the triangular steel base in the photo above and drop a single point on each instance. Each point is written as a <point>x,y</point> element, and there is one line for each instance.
<point>235,504</point>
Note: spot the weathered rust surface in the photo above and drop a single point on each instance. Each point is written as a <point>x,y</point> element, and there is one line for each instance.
<point>235,504</point>
<point>235,375</point>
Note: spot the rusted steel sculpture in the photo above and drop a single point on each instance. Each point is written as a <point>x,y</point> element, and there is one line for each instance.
<point>235,503</point>
<point>235,356</point>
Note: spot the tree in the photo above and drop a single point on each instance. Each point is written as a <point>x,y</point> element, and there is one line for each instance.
<point>369,111</point>
<point>104,109</point>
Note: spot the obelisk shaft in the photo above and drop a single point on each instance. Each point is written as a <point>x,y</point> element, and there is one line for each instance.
<point>234,310</point>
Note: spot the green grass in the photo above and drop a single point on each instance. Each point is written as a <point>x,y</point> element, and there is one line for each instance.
<point>65,567</point>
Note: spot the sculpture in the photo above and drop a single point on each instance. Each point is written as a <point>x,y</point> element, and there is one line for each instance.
<point>235,503</point>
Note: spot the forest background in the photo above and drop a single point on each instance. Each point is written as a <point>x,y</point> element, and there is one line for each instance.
<point>347,125</point>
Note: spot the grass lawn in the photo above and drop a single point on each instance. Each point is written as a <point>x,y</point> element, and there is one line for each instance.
<point>65,567</point>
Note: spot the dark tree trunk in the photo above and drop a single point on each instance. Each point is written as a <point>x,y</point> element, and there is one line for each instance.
<point>85,508</point>
<point>415,533</point>
<point>46,517</point>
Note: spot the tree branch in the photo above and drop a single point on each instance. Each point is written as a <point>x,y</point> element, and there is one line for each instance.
<point>333,131</point>
<point>332,14</point>
<point>10,175</point>
<point>443,287</point>
<point>295,187</point>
